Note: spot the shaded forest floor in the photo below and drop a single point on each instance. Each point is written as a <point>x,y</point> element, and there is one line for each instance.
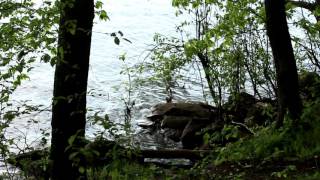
<point>272,169</point>
<point>277,168</point>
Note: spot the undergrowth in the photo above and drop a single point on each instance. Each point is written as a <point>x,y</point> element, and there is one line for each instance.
<point>275,153</point>
<point>294,140</point>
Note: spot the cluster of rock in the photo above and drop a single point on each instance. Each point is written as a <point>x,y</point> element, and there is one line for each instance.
<point>188,122</point>
<point>183,120</point>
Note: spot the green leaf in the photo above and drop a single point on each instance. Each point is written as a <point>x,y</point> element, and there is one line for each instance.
<point>46,58</point>
<point>116,40</point>
<point>53,61</point>
<point>122,57</point>
<point>21,54</point>
<point>72,139</point>
<point>9,116</point>
<point>103,15</point>
<point>99,4</point>
<point>73,155</point>
<point>81,169</point>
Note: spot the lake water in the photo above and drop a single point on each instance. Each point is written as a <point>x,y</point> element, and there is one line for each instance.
<point>139,20</point>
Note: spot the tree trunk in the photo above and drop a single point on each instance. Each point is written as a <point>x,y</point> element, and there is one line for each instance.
<point>286,70</point>
<point>70,83</point>
<point>206,67</point>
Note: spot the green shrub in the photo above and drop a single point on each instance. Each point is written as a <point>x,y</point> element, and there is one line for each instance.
<point>293,140</point>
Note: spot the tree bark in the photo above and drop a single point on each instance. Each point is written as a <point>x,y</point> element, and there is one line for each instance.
<point>70,83</point>
<point>286,70</point>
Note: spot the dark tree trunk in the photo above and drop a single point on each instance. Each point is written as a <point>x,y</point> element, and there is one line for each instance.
<point>70,83</point>
<point>286,70</point>
<point>206,67</point>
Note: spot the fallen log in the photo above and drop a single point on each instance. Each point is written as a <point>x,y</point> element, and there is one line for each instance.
<point>175,154</point>
<point>104,146</point>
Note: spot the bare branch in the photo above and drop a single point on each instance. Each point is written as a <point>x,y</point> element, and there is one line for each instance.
<point>305,5</point>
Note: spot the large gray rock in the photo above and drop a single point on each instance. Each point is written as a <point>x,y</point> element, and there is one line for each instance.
<point>182,109</point>
<point>177,115</point>
<point>190,137</point>
<point>175,122</point>
<point>184,120</point>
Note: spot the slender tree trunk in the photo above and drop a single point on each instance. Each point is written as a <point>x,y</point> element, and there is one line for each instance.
<point>206,67</point>
<point>70,83</point>
<point>286,70</point>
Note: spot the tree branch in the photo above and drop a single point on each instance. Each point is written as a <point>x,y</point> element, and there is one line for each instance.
<point>306,5</point>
